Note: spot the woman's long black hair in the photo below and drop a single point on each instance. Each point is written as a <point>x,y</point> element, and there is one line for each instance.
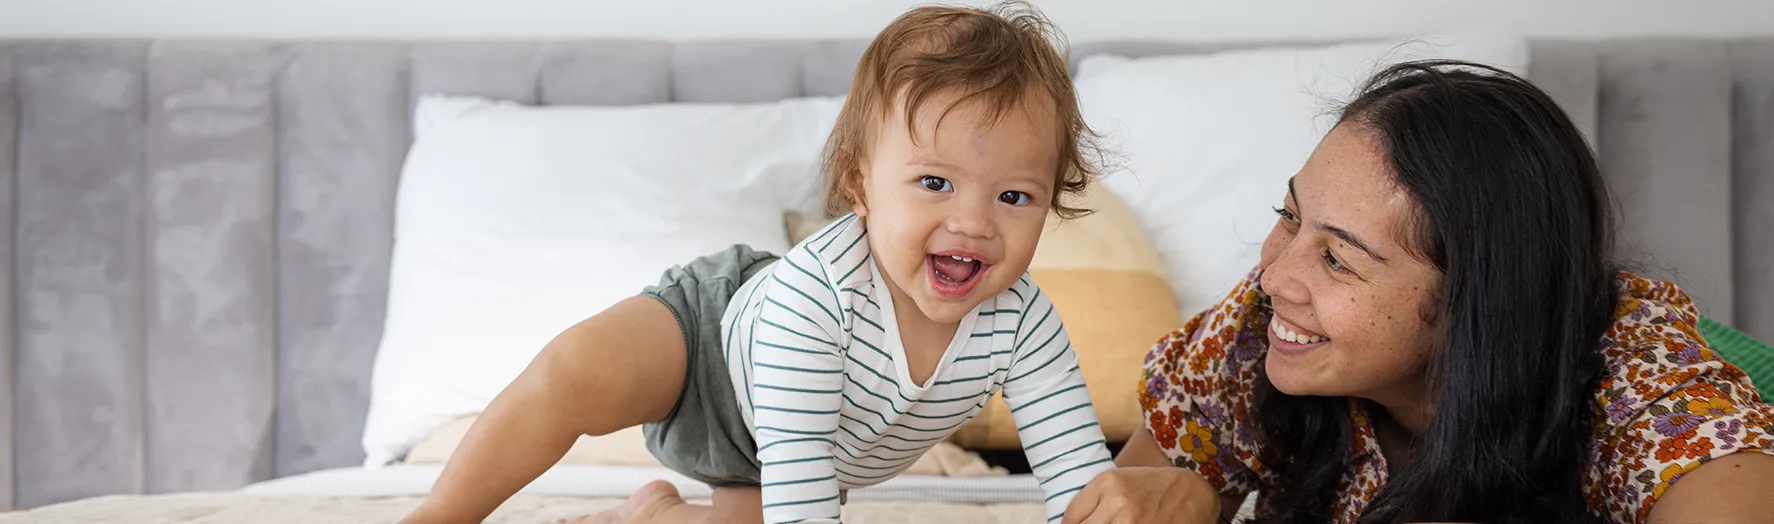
<point>1514,214</point>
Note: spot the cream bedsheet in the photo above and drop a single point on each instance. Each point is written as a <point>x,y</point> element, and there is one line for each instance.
<point>383,495</point>
<point>215,508</point>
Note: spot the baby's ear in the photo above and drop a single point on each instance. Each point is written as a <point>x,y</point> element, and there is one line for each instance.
<point>853,184</point>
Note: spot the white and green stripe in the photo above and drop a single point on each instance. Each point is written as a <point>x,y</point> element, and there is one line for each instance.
<point>818,368</point>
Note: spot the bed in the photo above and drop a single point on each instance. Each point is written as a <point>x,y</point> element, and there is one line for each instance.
<point>385,494</point>
<point>169,359</point>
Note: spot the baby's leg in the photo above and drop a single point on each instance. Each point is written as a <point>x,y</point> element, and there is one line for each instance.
<point>621,368</point>
<point>659,503</point>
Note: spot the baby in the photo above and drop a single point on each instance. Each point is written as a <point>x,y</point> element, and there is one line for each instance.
<point>784,382</point>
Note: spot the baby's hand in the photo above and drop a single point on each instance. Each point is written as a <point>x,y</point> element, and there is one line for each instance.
<point>1137,495</point>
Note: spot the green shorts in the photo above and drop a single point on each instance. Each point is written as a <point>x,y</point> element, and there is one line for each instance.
<point>705,436</point>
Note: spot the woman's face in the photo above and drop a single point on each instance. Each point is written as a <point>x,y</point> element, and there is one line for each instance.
<point>1349,297</point>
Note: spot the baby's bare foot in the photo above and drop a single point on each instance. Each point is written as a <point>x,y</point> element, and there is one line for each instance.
<point>646,505</point>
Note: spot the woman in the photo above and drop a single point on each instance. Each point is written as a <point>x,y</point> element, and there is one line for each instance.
<point>1436,332</point>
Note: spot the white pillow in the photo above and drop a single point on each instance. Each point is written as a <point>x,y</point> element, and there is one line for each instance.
<point>514,222</point>
<point>1209,141</point>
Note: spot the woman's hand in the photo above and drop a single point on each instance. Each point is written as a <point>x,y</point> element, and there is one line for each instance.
<point>1139,495</point>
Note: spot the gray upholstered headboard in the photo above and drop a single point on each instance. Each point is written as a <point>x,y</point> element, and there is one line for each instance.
<point>193,287</point>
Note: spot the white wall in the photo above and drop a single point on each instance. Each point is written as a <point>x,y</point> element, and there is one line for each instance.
<point>681,19</point>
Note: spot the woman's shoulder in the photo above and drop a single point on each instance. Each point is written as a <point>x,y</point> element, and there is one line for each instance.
<point>1225,342</point>
<point>1667,402</point>
<point>1654,349</point>
<point>1195,391</point>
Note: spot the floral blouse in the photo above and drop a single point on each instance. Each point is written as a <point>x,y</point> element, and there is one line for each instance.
<point>1667,403</point>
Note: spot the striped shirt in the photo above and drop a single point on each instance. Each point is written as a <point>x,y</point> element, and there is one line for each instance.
<point>820,373</point>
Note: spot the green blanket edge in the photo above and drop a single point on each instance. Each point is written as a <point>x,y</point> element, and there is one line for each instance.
<point>1755,357</point>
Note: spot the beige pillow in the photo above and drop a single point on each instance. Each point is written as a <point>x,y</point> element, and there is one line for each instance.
<point>628,447</point>
<point>1109,287</point>
<point>801,226</point>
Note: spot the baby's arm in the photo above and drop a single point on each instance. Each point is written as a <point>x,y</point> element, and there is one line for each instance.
<point>797,372</point>
<point>1052,410</point>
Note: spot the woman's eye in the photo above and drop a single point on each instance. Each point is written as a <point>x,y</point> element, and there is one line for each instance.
<point>1330,261</point>
<point>1015,198</point>
<point>1286,215</point>
<point>936,183</point>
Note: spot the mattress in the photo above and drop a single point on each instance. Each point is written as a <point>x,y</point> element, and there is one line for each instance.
<point>230,508</point>
<point>609,481</point>
<point>383,495</point>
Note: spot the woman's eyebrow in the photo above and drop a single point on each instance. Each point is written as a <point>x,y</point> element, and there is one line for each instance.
<point>1348,238</point>
<point>1340,233</point>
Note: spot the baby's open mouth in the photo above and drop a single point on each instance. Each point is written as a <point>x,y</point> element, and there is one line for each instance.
<point>955,275</point>
<point>955,269</point>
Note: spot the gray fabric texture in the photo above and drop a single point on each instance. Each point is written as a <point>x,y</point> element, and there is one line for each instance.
<point>1665,144</point>
<point>1567,71</point>
<point>78,426</point>
<point>1752,185</point>
<point>611,72</point>
<point>705,436</point>
<point>342,133</point>
<point>8,334</point>
<point>210,138</point>
<point>196,273</point>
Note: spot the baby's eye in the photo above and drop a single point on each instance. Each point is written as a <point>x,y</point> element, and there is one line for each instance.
<point>1015,198</point>
<point>936,183</point>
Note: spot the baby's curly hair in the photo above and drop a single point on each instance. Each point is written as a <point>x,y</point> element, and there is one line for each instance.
<point>999,54</point>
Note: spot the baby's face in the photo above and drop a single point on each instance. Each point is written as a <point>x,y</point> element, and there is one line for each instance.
<point>954,216</point>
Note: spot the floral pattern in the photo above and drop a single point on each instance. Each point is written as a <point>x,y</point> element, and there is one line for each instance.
<point>1666,404</point>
